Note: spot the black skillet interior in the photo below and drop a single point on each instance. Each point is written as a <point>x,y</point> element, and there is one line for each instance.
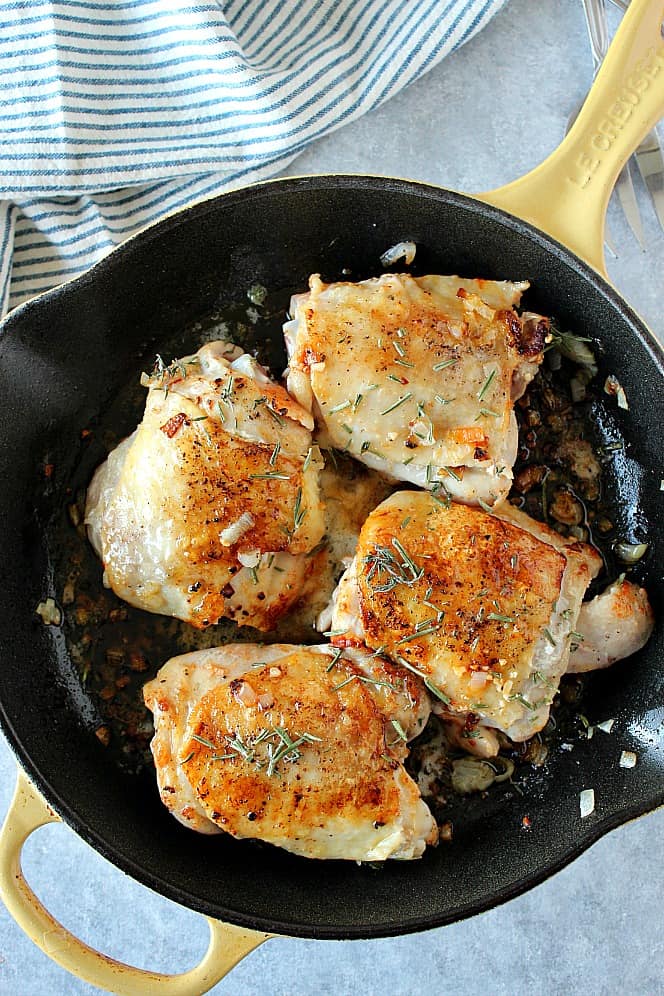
<point>64,358</point>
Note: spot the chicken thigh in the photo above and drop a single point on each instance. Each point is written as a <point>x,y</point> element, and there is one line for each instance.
<point>210,508</point>
<point>611,626</point>
<point>417,376</point>
<point>302,747</point>
<point>482,606</point>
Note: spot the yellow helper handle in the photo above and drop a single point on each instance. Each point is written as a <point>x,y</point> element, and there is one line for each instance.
<point>567,195</point>
<point>29,811</point>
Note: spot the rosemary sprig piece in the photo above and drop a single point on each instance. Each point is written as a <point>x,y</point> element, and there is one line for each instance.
<point>485,387</point>
<point>397,404</point>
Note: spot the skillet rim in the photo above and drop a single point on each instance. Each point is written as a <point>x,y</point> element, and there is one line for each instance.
<point>156,230</point>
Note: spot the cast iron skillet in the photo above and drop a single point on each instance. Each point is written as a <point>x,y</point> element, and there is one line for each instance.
<point>63,359</point>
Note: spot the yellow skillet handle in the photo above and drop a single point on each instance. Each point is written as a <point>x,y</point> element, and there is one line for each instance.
<point>567,194</point>
<point>228,944</point>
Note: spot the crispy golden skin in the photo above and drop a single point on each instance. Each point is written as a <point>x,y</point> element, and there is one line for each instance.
<point>224,719</point>
<point>482,605</point>
<point>417,376</point>
<point>209,508</point>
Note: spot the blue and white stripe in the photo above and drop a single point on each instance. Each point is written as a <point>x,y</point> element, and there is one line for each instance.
<point>114,114</point>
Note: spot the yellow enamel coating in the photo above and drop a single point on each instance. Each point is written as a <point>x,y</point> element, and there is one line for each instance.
<point>567,195</point>
<point>228,945</point>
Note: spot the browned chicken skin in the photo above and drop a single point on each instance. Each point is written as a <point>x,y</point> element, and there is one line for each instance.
<point>210,508</point>
<point>416,376</point>
<point>302,747</point>
<point>484,606</point>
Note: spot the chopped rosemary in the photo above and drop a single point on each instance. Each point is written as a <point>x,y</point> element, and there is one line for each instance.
<point>246,753</point>
<point>443,401</point>
<point>486,412</point>
<point>203,741</point>
<point>485,387</point>
<point>400,730</point>
<point>524,701</point>
<point>381,561</point>
<point>500,618</point>
<point>443,502</point>
<point>277,418</point>
<point>346,681</point>
<point>228,389</point>
<point>299,513</point>
<point>270,476</point>
<point>404,363</point>
<point>379,684</point>
<point>337,654</point>
<point>443,364</point>
<point>401,401</point>
<point>275,454</point>
<point>307,460</point>
<point>451,473</point>
<point>434,689</point>
<point>288,750</point>
<point>551,640</point>
<point>339,408</point>
<point>483,504</point>
<point>406,556</point>
<point>368,448</point>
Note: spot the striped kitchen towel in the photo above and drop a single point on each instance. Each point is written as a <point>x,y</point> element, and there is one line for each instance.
<point>115,113</point>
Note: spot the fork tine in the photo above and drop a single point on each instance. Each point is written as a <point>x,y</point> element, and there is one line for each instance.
<point>598,32</point>
<point>650,161</point>
<point>627,196</point>
<point>608,241</point>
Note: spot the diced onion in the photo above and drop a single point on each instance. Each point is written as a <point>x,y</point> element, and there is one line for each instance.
<point>612,386</point>
<point>469,774</point>
<point>257,294</point>
<point>578,390</point>
<point>606,726</point>
<point>507,766</point>
<point>49,612</point>
<point>401,251</point>
<point>628,759</point>
<point>251,559</point>
<point>231,534</point>
<point>245,694</point>
<point>578,351</point>
<point>587,802</point>
<point>630,553</point>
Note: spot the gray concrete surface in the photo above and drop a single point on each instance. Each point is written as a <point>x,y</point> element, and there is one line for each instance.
<point>484,116</point>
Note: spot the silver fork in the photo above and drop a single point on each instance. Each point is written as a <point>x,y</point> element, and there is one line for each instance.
<point>598,31</point>
<point>649,156</point>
